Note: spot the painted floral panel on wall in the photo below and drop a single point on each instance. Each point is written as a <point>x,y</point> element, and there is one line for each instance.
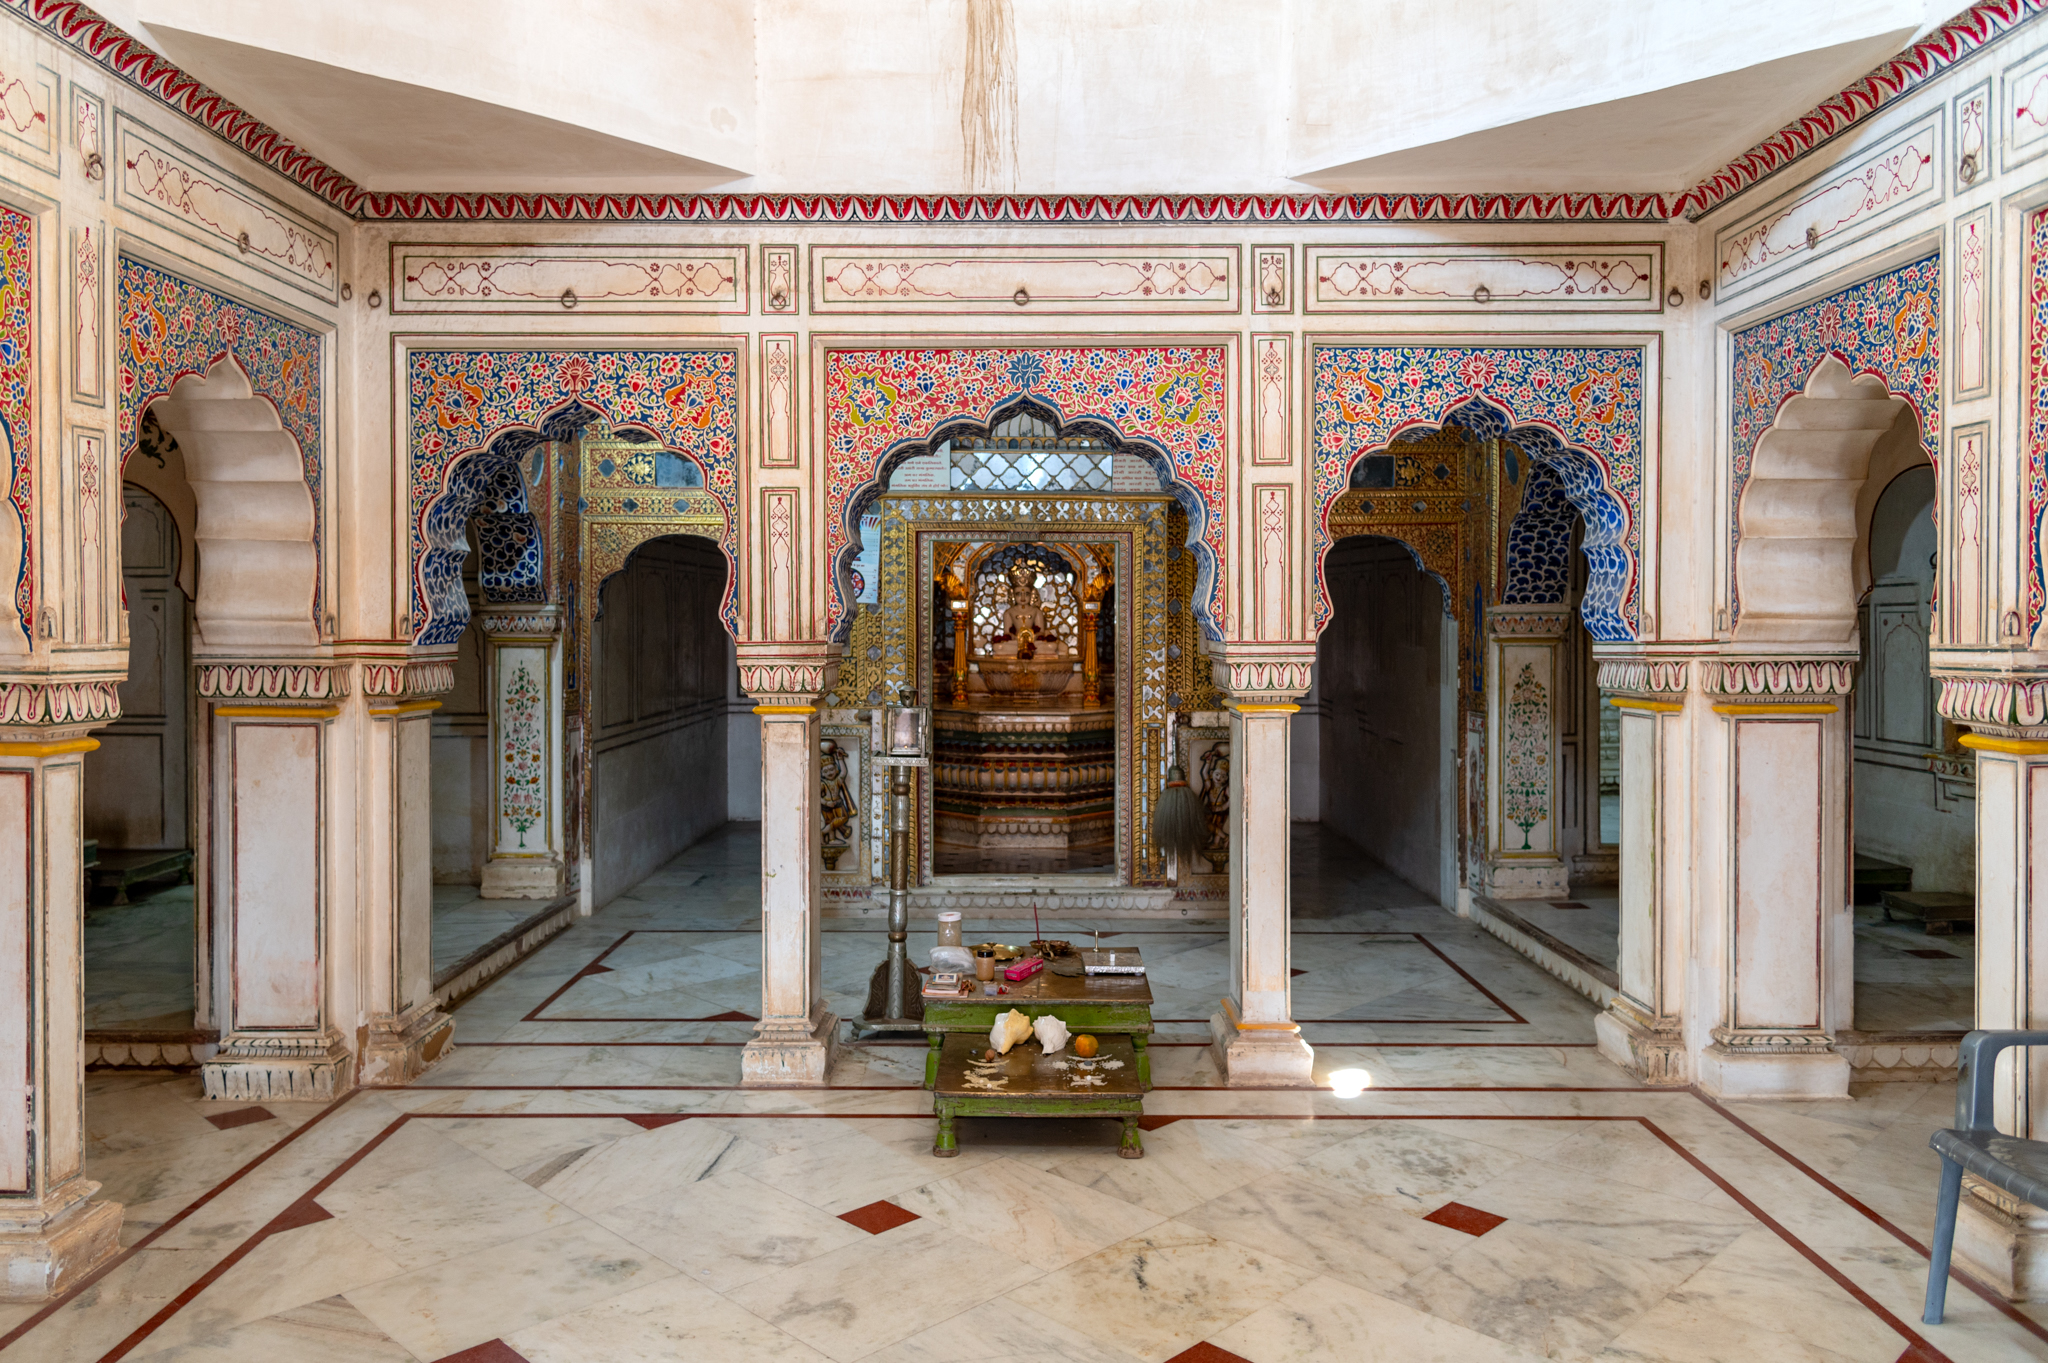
<point>1889,326</point>
<point>1172,399</point>
<point>463,401</point>
<point>522,781</point>
<point>1579,409</point>
<point>2036,409</point>
<point>17,393</point>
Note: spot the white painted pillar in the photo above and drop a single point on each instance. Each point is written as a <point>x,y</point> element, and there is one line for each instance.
<point>794,1040</point>
<point>1999,1239</point>
<point>1523,647</point>
<point>273,904</point>
<point>1641,1030</point>
<point>51,1231</point>
<point>523,674</point>
<point>1780,935</point>
<point>403,1031</point>
<point>1257,1043</point>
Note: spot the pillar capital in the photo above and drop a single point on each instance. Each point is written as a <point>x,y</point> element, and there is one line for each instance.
<point>1528,622</point>
<point>788,673</point>
<point>56,708</point>
<point>1263,673</point>
<point>521,621</point>
<point>1779,678</point>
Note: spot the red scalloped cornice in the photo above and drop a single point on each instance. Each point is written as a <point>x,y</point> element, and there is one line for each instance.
<point>87,31</point>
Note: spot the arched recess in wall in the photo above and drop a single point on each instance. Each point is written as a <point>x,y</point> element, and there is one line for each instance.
<point>1166,404</point>
<point>239,391</point>
<point>1189,498</point>
<point>474,413</point>
<point>1581,411</point>
<point>1802,558</point>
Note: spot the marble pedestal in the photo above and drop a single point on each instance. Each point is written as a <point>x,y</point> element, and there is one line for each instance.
<point>1255,1058</point>
<point>1772,1072</point>
<point>2002,1242</point>
<point>44,1251</point>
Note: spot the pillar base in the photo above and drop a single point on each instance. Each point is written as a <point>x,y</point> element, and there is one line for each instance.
<point>2002,1242</point>
<point>401,1048</point>
<point>790,1055</point>
<point>1654,1055</point>
<point>1255,1058</point>
<point>1546,879</point>
<point>43,1252</point>
<point>256,1069</point>
<point>521,878</point>
<point>1802,1071</point>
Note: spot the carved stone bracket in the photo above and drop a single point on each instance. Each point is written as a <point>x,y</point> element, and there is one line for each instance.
<point>1645,676</point>
<point>1524,622</point>
<point>530,623</point>
<point>787,673</point>
<point>1272,673</point>
<point>406,680</point>
<point>272,681</point>
<point>2003,702</point>
<point>1779,678</point>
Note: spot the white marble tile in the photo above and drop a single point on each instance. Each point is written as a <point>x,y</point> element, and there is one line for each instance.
<point>1315,1225</point>
<point>660,1323</point>
<point>1002,1331</point>
<point>494,1292</point>
<point>729,1230</point>
<point>1164,1291</point>
<point>1045,1220</point>
<point>1185,1164</point>
<point>842,1174</point>
<point>462,1205</point>
<point>832,1302</point>
<point>665,1159</point>
<point>287,1270</point>
<point>329,1331</point>
<point>1544,1293</point>
<point>1326,1319</point>
<point>1418,1165</point>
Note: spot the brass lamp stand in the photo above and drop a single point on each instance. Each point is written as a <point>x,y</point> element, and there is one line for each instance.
<point>902,742</point>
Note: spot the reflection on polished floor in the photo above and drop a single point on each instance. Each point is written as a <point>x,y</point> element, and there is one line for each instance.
<point>584,1180</point>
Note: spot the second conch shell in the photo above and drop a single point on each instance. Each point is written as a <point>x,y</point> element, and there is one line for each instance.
<point>1011,1028</point>
<point>1051,1032</point>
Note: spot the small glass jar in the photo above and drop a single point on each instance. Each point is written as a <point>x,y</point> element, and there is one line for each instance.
<point>984,963</point>
<point>949,929</point>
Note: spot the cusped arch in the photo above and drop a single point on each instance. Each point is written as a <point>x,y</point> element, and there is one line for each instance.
<point>1804,511</point>
<point>255,521</point>
<point>863,497</point>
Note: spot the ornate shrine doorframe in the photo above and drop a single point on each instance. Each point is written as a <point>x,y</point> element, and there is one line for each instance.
<point>1165,399</point>
<point>1134,528</point>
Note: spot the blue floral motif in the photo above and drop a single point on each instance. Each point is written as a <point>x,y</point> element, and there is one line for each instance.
<point>1027,371</point>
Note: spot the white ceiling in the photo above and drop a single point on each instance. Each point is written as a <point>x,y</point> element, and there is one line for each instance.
<point>1087,95</point>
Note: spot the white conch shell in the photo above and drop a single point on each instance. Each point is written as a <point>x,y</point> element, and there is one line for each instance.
<point>1051,1033</point>
<point>1011,1028</point>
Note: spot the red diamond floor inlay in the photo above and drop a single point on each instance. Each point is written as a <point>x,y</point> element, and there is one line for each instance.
<point>1154,1123</point>
<point>1206,1352</point>
<point>1566,904</point>
<point>490,1351</point>
<point>731,1016</point>
<point>877,1217</point>
<point>304,1212</point>
<point>241,1116</point>
<point>653,1121</point>
<point>1458,1216</point>
<point>1295,970</point>
<point>1930,953</point>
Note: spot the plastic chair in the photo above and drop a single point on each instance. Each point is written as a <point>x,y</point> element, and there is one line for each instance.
<point>1973,1145</point>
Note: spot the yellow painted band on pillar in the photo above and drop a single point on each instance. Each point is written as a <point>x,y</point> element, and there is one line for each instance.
<point>1814,709</point>
<point>277,711</point>
<point>785,709</point>
<point>1655,707</point>
<point>2018,747</point>
<point>48,749</point>
<point>411,707</point>
<point>1230,1009</point>
<point>1267,709</point>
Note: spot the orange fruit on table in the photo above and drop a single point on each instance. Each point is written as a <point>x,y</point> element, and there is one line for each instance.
<point>1086,1046</point>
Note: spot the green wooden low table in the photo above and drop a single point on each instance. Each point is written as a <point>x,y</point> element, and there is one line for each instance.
<point>1029,1083</point>
<point>1102,1005</point>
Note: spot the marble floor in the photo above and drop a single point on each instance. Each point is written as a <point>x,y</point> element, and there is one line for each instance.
<point>584,1180</point>
<point>463,921</point>
<point>1907,981</point>
<point>138,962</point>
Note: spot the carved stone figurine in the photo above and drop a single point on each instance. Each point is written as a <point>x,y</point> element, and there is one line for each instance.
<point>1024,619</point>
<point>836,802</point>
<point>1216,806</point>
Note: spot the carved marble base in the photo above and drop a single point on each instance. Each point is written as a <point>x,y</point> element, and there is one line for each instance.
<point>1260,1059</point>
<point>2002,1242</point>
<point>398,1050</point>
<point>783,1055</point>
<point>255,1069</point>
<point>1653,1055</point>
<point>521,878</point>
<point>44,1251</point>
<point>1528,879</point>
<point>1802,1071</point>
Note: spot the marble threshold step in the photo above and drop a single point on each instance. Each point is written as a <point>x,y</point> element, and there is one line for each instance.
<point>1592,978</point>
<point>501,953</point>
